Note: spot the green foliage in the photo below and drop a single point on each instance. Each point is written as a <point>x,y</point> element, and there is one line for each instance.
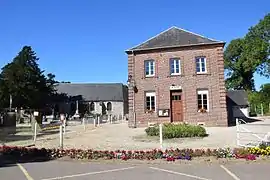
<point>25,81</point>
<point>260,99</point>
<point>177,131</point>
<point>245,56</point>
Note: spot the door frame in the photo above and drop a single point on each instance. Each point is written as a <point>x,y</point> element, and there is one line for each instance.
<point>171,110</point>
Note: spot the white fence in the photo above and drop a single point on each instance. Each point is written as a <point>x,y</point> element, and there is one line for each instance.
<point>252,134</point>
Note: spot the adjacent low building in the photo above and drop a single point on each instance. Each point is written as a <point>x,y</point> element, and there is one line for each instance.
<point>100,98</point>
<point>237,105</point>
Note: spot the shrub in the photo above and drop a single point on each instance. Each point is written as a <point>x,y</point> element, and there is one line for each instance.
<point>177,131</point>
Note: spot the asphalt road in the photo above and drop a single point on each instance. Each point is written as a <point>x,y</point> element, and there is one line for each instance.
<point>72,170</point>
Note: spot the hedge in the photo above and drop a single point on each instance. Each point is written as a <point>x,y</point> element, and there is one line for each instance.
<point>177,131</point>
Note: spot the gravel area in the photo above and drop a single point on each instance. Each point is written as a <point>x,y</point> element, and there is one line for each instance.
<point>119,136</point>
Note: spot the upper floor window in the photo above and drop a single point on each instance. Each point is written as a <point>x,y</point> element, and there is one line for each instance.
<point>203,100</point>
<point>175,66</point>
<point>149,67</point>
<point>150,98</point>
<point>201,65</point>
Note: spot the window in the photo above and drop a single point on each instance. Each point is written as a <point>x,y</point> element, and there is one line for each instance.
<point>203,102</point>
<point>109,106</point>
<point>92,106</point>
<point>176,97</point>
<point>149,67</point>
<point>150,98</point>
<point>201,65</point>
<point>175,66</point>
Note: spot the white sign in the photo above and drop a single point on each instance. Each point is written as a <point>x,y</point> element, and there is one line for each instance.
<point>175,87</point>
<point>35,113</point>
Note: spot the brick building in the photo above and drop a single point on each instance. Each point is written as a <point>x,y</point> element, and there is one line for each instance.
<point>177,76</point>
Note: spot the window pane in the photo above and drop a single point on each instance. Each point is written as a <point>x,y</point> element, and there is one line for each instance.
<point>204,96</point>
<point>197,60</point>
<point>205,106</point>
<point>199,97</point>
<point>198,67</point>
<point>203,68</point>
<point>177,70</point>
<point>147,68</point>
<point>203,60</point>
<point>176,63</point>
<point>152,102</point>
<point>172,70</point>
<point>147,102</point>
<point>152,67</point>
<point>172,66</point>
<point>205,102</point>
<point>203,64</point>
<point>146,71</point>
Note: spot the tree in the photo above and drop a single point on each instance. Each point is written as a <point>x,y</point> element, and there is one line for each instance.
<point>245,56</point>
<point>26,82</point>
<point>265,93</point>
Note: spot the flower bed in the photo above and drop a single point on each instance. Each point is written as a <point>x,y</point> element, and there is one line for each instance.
<point>23,153</point>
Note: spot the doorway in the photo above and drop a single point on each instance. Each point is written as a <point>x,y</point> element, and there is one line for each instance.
<point>176,106</point>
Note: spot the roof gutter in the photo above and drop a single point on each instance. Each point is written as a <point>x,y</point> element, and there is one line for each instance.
<point>176,46</point>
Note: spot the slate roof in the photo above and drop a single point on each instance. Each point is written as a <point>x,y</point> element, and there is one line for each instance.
<point>174,37</point>
<point>94,91</point>
<point>237,97</point>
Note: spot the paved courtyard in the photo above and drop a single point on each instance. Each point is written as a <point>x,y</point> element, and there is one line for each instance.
<point>133,171</point>
<point>119,136</point>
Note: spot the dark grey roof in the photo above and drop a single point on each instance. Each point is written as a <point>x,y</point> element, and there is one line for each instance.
<point>237,97</point>
<point>174,37</point>
<point>94,91</point>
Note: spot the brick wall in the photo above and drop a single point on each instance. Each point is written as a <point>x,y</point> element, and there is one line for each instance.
<point>213,80</point>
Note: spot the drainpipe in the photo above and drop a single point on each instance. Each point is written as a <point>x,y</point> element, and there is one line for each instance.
<point>133,103</point>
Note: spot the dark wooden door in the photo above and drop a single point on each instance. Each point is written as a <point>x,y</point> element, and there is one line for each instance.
<point>176,106</point>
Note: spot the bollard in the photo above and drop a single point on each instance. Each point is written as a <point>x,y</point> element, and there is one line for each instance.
<point>61,136</point>
<point>94,121</point>
<point>35,133</point>
<point>160,135</point>
<point>65,126</point>
<point>98,120</point>
<point>237,133</point>
<point>84,124</point>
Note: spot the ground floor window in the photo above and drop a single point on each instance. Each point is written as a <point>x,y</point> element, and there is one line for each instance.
<point>150,101</point>
<point>203,101</point>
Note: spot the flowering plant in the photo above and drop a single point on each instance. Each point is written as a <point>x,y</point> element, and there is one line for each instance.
<point>202,110</point>
<point>23,153</point>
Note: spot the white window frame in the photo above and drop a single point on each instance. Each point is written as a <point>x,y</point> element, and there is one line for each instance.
<point>200,64</point>
<point>150,94</point>
<point>202,92</point>
<point>174,60</point>
<point>149,66</point>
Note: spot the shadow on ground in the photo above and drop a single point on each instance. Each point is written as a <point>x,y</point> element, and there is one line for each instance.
<point>8,135</point>
<point>246,119</point>
<point>8,161</point>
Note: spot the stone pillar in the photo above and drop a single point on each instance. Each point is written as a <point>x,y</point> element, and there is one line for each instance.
<point>223,114</point>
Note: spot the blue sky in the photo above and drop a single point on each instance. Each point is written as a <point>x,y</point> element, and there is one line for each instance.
<point>84,41</point>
